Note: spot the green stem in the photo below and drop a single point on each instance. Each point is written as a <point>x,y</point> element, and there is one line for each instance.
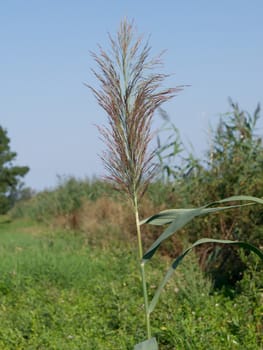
<point>144,286</point>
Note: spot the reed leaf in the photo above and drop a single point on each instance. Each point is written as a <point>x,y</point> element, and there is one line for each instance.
<point>179,259</point>
<point>178,218</point>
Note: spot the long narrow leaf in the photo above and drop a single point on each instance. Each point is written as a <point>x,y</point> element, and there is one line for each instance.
<point>178,218</point>
<point>167,216</point>
<point>178,260</point>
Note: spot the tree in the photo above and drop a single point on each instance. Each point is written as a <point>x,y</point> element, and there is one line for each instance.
<point>10,175</point>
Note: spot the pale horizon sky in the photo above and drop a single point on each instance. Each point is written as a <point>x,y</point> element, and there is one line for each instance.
<point>214,46</point>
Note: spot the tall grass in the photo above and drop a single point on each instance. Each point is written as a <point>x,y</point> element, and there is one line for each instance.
<point>130,92</point>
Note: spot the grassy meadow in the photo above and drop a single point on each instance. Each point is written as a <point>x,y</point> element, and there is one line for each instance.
<point>67,283</point>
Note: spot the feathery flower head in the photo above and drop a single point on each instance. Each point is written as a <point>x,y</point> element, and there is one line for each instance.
<point>130,91</point>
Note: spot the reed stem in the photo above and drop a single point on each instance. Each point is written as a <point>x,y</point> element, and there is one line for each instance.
<point>142,269</point>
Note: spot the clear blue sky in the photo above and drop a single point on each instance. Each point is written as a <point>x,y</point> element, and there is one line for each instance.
<point>215,46</point>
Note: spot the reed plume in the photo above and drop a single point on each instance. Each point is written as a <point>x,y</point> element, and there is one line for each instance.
<point>130,91</point>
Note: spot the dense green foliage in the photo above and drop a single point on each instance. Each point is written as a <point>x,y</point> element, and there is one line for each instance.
<point>66,199</point>
<point>10,175</point>
<point>56,291</point>
<point>232,166</point>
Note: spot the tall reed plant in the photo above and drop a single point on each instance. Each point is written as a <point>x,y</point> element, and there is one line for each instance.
<point>130,91</point>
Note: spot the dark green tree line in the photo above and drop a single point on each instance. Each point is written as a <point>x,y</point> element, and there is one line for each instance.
<point>10,174</point>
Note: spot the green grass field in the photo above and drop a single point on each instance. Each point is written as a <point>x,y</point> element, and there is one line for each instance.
<point>58,292</point>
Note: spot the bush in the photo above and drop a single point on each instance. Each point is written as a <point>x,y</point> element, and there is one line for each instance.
<point>63,201</point>
<point>232,166</point>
